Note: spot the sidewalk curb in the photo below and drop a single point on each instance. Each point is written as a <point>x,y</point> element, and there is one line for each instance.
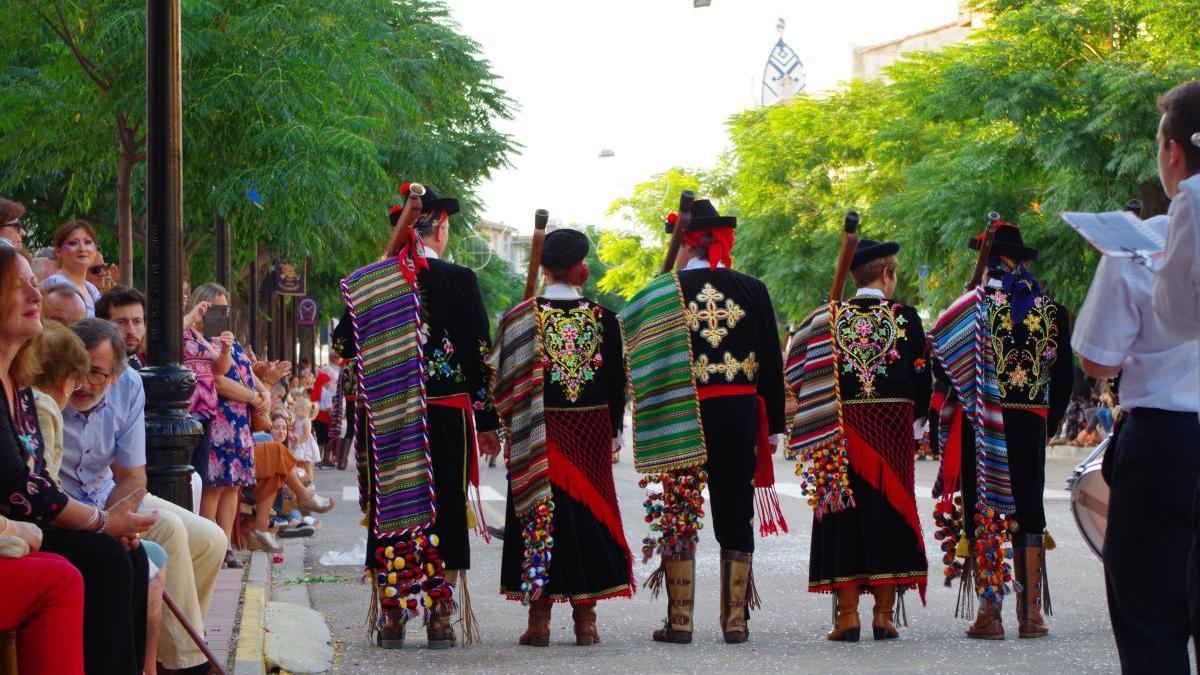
<point>249,659</point>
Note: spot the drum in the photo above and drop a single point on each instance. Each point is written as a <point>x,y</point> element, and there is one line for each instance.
<point>1089,497</point>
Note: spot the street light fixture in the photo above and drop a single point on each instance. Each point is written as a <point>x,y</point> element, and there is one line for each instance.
<point>701,3</point>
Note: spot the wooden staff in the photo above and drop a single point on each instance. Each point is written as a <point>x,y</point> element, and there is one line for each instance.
<point>845,256</point>
<point>408,216</point>
<point>683,221</point>
<point>985,250</point>
<point>540,218</point>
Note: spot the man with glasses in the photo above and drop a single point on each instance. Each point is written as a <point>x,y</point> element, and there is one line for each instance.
<point>10,222</point>
<point>104,462</point>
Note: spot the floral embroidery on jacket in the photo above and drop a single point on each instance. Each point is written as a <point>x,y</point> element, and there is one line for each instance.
<point>866,340</point>
<point>1023,368</point>
<point>571,345</point>
<point>441,363</point>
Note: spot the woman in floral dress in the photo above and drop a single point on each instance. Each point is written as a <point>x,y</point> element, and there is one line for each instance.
<point>230,461</point>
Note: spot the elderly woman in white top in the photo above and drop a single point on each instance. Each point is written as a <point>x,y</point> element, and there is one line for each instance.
<point>75,246</point>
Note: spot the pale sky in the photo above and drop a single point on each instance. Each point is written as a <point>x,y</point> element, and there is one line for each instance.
<point>653,80</point>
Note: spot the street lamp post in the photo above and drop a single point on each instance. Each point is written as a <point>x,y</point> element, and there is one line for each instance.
<point>171,432</point>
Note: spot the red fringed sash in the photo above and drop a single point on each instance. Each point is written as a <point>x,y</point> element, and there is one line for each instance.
<point>766,500</point>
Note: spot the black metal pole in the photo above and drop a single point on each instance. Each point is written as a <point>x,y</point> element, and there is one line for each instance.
<point>171,432</point>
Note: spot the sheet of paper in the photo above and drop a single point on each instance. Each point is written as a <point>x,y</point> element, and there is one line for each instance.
<point>1119,234</point>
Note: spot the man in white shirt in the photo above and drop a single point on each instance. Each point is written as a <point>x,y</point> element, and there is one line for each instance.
<point>1155,465</point>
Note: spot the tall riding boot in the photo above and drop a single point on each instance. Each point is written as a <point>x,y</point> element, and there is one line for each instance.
<point>1029,555</point>
<point>881,619</point>
<point>680,571</point>
<point>538,632</point>
<point>439,630</point>
<point>847,626</point>
<point>987,624</point>
<point>735,595</point>
<point>584,615</point>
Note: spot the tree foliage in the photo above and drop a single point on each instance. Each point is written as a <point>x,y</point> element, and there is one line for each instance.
<point>316,109</point>
<point>633,256</point>
<point>1050,107</point>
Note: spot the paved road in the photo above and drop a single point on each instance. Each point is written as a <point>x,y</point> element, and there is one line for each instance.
<point>787,634</point>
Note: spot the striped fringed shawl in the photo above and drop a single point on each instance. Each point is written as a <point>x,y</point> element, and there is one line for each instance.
<point>385,310</point>
<point>516,363</point>
<point>667,433</point>
<point>962,345</point>
<point>811,376</point>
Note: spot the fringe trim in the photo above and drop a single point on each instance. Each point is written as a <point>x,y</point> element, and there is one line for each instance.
<point>866,462</point>
<point>657,578</point>
<point>899,612</point>
<point>1046,606</point>
<point>567,477</point>
<point>964,608</point>
<point>466,613</point>
<point>373,610</point>
<point>475,504</point>
<point>770,514</point>
<point>753,599</point>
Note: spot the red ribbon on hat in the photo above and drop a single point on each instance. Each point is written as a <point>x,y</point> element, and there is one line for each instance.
<point>718,249</point>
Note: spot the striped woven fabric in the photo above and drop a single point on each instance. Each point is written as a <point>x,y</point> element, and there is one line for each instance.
<point>810,373</point>
<point>667,433</point>
<point>385,311</point>
<point>963,347</point>
<point>516,362</point>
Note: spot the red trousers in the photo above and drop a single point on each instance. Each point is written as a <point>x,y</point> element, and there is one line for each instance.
<point>43,602</point>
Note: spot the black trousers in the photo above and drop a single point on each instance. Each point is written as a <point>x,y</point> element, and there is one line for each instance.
<point>1149,538</point>
<point>730,436</point>
<point>1025,437</point>
<point>114,599</point>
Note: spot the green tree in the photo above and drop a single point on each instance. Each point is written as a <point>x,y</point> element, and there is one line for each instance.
<point>633,256</point>
<point>318,109</point>
<point>1049,107</point>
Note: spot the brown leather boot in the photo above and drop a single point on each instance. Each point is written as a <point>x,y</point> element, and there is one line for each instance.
<point>881,616</point>
<point>389,632</point>
<point>538,632</point>
<point>680,571</point>
<point>735,590</point>
<point>847,626</point>
<point>584,615</point>
<point>987,624</point>
<point>1029,554</point>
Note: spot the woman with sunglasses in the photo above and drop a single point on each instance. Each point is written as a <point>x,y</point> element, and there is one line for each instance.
<point>75,245</point>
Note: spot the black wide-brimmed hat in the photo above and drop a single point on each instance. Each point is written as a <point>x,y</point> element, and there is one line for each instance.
<point>1007,243</point>
<point>564,247</point>
<point>430,203</point>
<point>704,217</point>
<point>869,249</point>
